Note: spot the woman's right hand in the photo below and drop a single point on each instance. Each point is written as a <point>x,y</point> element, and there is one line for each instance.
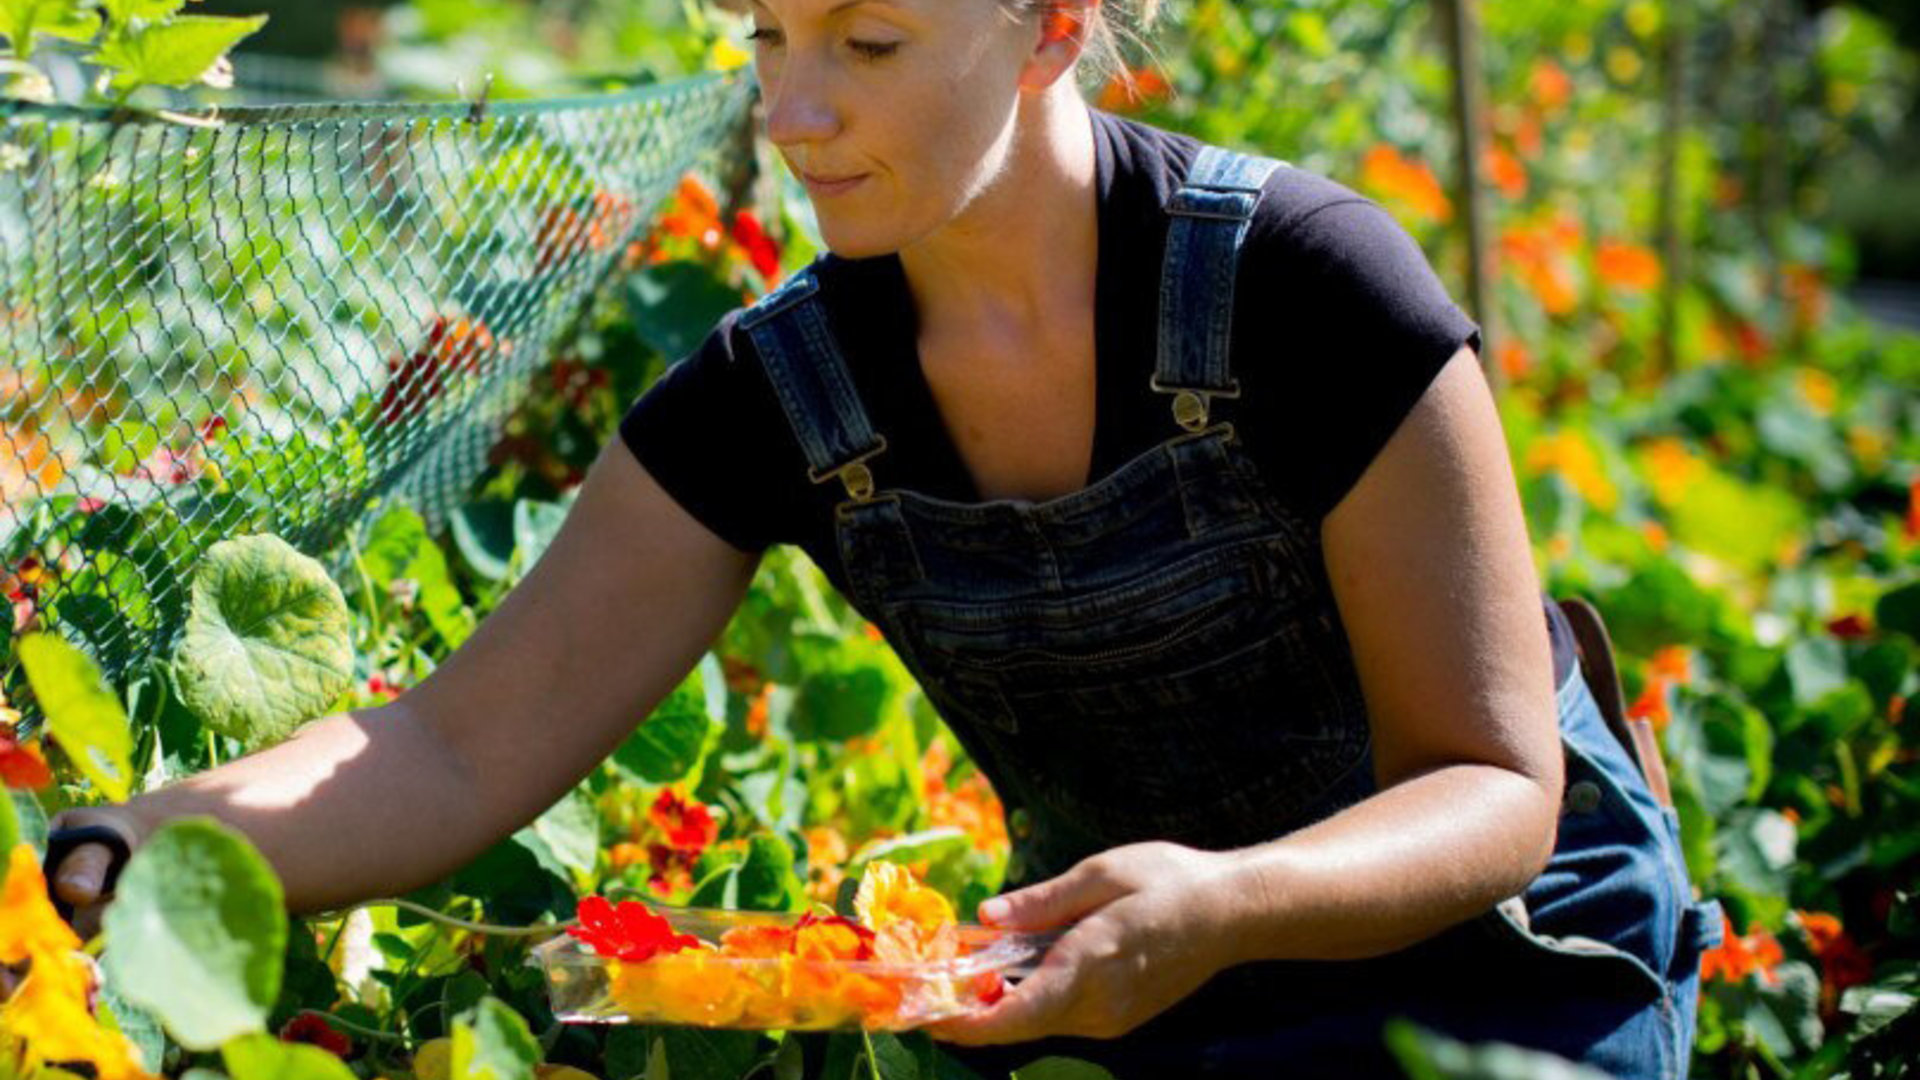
<point>80,880</point>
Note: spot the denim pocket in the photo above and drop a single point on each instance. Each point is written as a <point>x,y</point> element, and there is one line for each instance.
<point>1613,894</point>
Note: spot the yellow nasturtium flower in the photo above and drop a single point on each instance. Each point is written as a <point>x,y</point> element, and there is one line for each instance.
<point>48,1019</point>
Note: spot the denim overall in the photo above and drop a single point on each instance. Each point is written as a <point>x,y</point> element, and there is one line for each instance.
<point>1159,656</point>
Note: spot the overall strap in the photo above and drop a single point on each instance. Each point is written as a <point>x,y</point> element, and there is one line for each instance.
<point>809,374</point>
<point>1211,213</point>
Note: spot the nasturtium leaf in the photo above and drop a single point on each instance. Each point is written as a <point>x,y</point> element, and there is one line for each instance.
<point>492,1042</point>
<point>697,1054</point>
<point>197,931</point>
<point>137,1024</point>
<point>1900,610</point>
<point>1062,1068</point>
<point>173,53</point>
<point>82,712</point>
<point>570,829</point>
<point>393,540</point>
<point>535,524</point>
<point>9,827</point>
<point>267,643</point>
<point>1426,1055</point>
<point>483,534</point>
<point>121,11</point>
<point>670,743</point>
<point>29,819</point>
<point>850,682</point>
<point>69,20</point>
<point>1785,1013</point>
<point>763,881</point>
<point>260,1056</point>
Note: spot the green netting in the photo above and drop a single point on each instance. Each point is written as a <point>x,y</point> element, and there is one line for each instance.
<point>266,323</point>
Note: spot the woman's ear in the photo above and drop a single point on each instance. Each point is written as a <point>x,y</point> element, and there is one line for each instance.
<point>1063,36</point>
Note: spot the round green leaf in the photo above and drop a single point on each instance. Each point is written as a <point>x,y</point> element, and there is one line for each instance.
<point>267,644</point>
<point>262,1057</point>
<point>492,1042</point>
<point>196,933</point>
<point>82,712</point>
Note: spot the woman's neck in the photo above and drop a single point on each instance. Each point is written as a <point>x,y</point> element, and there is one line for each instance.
<point>1027,247</point>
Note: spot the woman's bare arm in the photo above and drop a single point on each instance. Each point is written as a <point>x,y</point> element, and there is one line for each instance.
<point>1431,567</point>
<point>377,801</point>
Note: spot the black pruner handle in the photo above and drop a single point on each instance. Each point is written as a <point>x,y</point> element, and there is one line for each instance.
<point>61,844</point>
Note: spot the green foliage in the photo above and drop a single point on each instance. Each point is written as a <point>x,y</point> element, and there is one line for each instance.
<point>82,712</point>
<point>260,1056</point>
<point>491,1042</point>
<point>266,646</point>
<point>137,43</point>
<point>198,928</point>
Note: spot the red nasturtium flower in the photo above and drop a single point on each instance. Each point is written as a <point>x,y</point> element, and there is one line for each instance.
<point>759,247</point>
<point>1842,962</point>
<point>452,347</point>
<point>313,1029</point>
<point>687,825</point>
<point>1850,627</point>
<point>627,931</point>
<point>1736,958</point>
<point>21,766</point>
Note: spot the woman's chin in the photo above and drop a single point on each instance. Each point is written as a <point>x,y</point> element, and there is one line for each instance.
<point>857,244</point>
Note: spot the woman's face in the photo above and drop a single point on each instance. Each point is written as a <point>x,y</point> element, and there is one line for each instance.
<point>909,103</point>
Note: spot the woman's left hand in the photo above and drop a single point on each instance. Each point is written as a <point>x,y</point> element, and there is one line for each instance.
<point>1150,924</point>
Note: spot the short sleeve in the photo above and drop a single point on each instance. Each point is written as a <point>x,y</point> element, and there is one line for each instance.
<point>711,433</point>
<point>1352,326</point>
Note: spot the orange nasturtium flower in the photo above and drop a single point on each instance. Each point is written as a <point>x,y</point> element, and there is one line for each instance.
<point>1625,266</point>
<point>821,971</point>
<point>1409,183</point>
<point>1736,958</point>
<point>49,1019</point>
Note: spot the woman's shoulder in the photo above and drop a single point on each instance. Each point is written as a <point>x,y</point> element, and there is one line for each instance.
<point>1291,197</point>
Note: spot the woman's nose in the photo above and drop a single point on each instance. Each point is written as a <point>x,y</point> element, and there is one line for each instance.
<point>799,108</point>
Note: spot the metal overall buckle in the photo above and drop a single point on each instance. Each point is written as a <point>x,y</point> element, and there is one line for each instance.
<point>1193,406</point>
<point>855,474</point>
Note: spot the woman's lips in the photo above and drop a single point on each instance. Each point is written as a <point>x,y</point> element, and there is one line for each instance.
<point>820,186</point>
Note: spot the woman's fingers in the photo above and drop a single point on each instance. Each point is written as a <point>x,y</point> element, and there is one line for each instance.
<point>80,877</point>
<point>1091,884</point>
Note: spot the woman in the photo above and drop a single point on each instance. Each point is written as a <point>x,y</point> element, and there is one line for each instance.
<point>1172,475</point>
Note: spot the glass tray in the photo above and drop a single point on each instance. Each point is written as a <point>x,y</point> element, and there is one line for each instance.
<point>703,988</point>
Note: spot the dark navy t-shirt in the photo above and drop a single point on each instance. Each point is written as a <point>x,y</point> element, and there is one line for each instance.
<point>1340,324</point>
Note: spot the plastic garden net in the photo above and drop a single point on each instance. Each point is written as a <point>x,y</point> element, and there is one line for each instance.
<point>268,321</point>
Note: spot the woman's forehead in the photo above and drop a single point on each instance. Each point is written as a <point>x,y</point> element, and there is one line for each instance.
<point>823,9</point>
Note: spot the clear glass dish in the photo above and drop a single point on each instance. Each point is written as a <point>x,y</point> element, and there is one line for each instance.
<point>706,988</point>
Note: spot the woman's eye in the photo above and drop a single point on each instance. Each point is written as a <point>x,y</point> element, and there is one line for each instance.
<point>871,50</point>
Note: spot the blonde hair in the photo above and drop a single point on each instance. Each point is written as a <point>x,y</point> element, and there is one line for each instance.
<point>1112,25</point>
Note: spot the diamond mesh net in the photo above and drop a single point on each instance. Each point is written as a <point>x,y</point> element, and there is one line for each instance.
<point>269,322</point>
